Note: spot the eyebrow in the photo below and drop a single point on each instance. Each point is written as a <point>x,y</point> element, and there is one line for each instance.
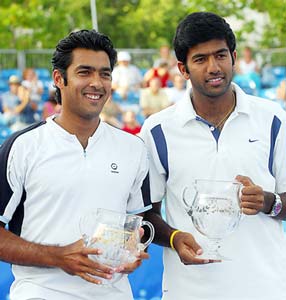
<point>86,67</point>
<point>222,50</point>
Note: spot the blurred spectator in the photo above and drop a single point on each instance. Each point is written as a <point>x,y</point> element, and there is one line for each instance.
<point>2,120</point>
<point>33,84</point>
<point>18,109</point>
<point>161,72</point>
<point>130,123</point>
<point>246,64</point>
<point>165,56</point>
<point>153,98</point>
<point>178,91</point>
<point>1,106</point>
<point>50,107</point>
<point>281,90</point>
<point>281,94</point>
<point>125,76</point>
<point>111,113</point>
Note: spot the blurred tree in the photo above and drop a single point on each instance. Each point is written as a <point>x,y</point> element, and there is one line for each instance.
<point>275,31</point>
<point>26,24</point>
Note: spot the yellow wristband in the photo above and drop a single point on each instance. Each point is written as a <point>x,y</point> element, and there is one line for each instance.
<point>172,238</point>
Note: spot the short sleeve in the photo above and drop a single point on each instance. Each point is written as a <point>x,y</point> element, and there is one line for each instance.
<point>279,162</point>
<point>139,197</point>
<point>157,173</point>
<point>12,179</point>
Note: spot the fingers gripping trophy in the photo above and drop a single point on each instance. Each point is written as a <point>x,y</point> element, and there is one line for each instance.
<point>215,211</point>
<point>117,236</point>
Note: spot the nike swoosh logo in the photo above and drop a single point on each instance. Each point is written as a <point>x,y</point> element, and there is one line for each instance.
<point>252,141</point>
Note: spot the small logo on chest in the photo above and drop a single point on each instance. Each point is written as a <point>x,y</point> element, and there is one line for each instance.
<point>114,168</point>
<point>252,140</point>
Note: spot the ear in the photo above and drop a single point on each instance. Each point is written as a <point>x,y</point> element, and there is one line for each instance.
<point>234,55</point>
<point>183,71</point>
<point>58,79</point>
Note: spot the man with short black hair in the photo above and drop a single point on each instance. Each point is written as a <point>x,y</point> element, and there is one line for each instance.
<point>218,132</point>
<point>56,171</point>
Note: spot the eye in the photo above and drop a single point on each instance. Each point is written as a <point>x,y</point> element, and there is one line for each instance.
<point>221,56</point>
<point>83,72</point>
<point>106,75</point>
<point>199,60</point>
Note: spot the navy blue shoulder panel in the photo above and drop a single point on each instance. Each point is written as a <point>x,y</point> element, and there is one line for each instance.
<point>161,146</point>
<point>145,190</point>
<point>276,124</point>
<point>5,189</point>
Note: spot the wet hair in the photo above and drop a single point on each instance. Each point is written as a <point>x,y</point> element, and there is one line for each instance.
<point>86,39</point>
<point>200,27</point>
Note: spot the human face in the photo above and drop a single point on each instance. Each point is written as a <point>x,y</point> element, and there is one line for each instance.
<point>88,84</point>
<point>14,88</point>
<point>210,68</point>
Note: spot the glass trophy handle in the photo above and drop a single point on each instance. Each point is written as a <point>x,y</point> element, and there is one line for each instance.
<point>142,246</point>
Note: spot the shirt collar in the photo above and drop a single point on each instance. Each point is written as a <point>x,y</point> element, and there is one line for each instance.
<point>72,137</point>
<point>185,110</point>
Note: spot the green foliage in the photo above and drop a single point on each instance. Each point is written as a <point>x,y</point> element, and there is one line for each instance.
<point>275,32</point>
<point>30,24</point>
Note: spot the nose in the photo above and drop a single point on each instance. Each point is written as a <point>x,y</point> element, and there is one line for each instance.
<point>96,81</point>
<point>213,65</point>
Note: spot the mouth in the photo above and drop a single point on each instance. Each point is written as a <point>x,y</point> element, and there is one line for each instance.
<point>215,81</point>
<point>93,97</point>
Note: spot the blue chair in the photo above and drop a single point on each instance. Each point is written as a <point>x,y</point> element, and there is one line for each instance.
<point>133,97</point>
<point>146,281</point>
<point>249,83</point>
<point>272,76</point>
<point>143,71</point>
<point>47,86</point>
<point>5,132</point>
<point>6,280</point>
<point>4,86</point>
<point>268,93</point>
<point>6,73</point>
<point>43,74</point>
<point>279,72</point>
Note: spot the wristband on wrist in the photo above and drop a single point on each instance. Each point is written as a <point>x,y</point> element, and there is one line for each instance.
<point>277,206</point>
<point>172,238</point>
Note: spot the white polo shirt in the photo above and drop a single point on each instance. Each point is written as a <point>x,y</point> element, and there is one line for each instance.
<point>48,181</point>
<point>184,147</point>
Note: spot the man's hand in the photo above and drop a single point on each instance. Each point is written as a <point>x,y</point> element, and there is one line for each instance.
<point>74,260</point>
<point>252,196</point>
<point>129,268</point>
<point>189,250</point>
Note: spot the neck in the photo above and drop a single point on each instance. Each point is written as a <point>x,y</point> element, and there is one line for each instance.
<point>215,110</point>
<point>83,129</point>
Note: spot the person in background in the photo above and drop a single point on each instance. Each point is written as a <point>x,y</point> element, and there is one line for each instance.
<point>50,107</point>
<point>33,84</point>
<point>112,113</point>
<point>56,171</point>
<point>18,109</point>
<point>177,92</point>
<point>153,98</point>
<point>161,72</point>
<point>165,55</point>
<point>218,132</point>
<point>281,90</point>
<point>126,77</point>
<point>130,123</point>
<point>281,94</point>
<point>247,64</point>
